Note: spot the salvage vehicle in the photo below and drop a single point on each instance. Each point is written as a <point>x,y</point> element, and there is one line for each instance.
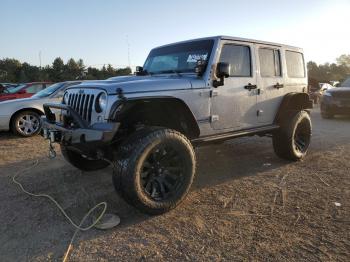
<point>187,94</point>
<point>23,90</point>
<point>22,116</point>
<point>336,101</point>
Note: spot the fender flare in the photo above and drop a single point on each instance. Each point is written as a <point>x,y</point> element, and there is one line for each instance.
<point>121,108</point>
<point>293,102</point>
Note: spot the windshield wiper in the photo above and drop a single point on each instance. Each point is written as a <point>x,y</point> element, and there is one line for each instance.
<point>171,71</point>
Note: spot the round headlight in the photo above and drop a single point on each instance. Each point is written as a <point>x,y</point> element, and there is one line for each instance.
<point>65,98</point>
<point>327,94</point>
<point>101,102</point>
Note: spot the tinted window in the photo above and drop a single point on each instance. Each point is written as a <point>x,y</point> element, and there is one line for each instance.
<point>346,83</point>
<point>238,57</point>
<point>180,58</point>
<point>269,62</point>
<point>295,64</point>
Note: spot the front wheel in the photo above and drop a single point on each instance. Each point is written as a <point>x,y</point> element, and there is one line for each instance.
<point>155,169</point>
<point>292,140</point>
<point>81,162</point>
<point>26,123</point>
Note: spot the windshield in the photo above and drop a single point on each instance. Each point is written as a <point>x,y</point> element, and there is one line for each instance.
<point>48,91</point>
<point>178,58</point>
<point>346,83</point>
<point>14,90</point>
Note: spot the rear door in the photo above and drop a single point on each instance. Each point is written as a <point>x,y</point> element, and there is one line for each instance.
<point>270,81</point>
<point>233,106</point>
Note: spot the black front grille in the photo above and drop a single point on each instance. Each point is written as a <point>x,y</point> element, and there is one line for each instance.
<point>82,104</point>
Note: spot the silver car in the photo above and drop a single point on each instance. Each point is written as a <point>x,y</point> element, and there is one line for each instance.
<point>22,116</point>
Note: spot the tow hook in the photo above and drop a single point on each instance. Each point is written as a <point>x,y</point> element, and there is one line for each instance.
<point>50,135</point>
<point>52,152</point>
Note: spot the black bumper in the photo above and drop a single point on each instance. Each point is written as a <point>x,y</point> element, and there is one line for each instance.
<point>336,107</point>
<point>82,134</point>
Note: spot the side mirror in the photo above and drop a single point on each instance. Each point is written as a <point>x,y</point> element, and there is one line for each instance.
<point>222,71</point>
<point>139,70</point>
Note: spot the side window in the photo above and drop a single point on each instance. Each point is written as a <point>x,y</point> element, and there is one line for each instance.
<point>33,89</point>
<point>295,64</point>
<point>270,62</point>
<point>238,56</point>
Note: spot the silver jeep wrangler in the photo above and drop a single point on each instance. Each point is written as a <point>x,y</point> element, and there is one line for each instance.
<point>187,94</point>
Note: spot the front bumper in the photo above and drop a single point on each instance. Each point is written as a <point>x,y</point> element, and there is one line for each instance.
<point>81,135</point>
<point>335,106</point>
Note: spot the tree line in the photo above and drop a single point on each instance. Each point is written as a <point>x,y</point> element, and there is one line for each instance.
<point>324,73</point>
<point>12,70</point>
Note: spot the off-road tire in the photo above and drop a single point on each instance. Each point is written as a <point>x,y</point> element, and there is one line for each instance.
<point>291,141</point>
<point>132,155</point>
<point>80,162</point>
<point>15,124</point>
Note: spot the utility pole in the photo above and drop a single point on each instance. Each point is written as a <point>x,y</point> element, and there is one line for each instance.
<point>40,58</point>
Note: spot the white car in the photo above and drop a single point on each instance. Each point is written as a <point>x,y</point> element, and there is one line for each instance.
<point>22,116</point>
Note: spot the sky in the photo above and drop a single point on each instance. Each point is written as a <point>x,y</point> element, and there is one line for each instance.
<point>122,32</point>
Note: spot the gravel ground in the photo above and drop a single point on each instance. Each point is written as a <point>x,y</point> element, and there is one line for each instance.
<point>246,204</point>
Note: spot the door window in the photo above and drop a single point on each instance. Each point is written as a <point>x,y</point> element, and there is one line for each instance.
<point>295,64</point>
<point>270,62</point>
<point>238,56</point>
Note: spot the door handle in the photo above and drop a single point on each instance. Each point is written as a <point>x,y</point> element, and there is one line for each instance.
<point>250,86</point>
<point>278,86</point>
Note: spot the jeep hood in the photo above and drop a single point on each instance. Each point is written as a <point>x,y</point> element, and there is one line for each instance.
<point>339,90</point>
<point>141,84</point>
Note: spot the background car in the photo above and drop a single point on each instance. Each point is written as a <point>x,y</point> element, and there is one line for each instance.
<point>22,116</point>
<point>316,93</point>
<point>23,90</point>
<point>336,101</point>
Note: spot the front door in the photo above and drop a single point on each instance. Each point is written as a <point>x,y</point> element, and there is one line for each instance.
<point>233,105</point>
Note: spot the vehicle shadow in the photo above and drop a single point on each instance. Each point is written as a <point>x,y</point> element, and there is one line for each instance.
<point>235,159</point>
<point>7,135</point>
<point>78,191</point>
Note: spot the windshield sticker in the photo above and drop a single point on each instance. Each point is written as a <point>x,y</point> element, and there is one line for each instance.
<point>193,58</point>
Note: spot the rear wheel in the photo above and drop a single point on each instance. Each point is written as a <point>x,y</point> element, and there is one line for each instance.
<point>292,140</point>
<point>155,169</point>
<point>26,123</point>
<point>80,162</point>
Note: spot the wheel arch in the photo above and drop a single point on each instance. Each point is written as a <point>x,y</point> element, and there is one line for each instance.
<point>293,102</point>
<point>164,111</point>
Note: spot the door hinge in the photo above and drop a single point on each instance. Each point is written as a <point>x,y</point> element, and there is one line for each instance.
<point>214,93</point>
<point>214,118</point>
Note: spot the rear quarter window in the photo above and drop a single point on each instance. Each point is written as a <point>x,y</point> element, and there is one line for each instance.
<point>295,64</point>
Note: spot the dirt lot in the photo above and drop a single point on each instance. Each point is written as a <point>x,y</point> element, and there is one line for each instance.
<point>246,204</point>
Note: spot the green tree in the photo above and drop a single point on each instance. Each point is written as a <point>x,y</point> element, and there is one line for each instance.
<point>57,70</point>
<point>344,60</point>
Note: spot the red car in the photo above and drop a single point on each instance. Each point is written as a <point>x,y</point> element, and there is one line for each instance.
<point>23,90</point>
